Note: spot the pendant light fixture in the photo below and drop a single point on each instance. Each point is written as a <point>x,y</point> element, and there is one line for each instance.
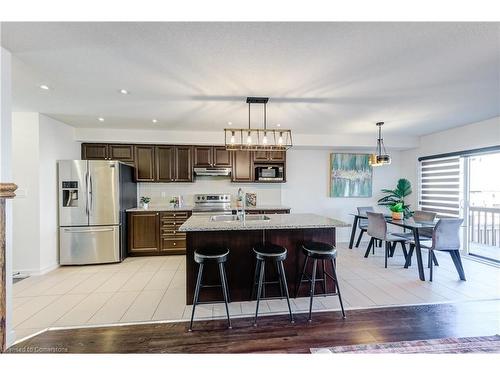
<point>254,139</point>
<point>380,157</point>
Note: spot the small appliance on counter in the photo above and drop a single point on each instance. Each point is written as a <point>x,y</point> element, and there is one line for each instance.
<point>93,197</point>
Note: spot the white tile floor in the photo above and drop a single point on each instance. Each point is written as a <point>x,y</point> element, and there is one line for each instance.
<point>153,289</point>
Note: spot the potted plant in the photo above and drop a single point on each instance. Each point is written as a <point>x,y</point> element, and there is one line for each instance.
<point>397,211</point>
<point>145,202</point>
<point>398,195</point>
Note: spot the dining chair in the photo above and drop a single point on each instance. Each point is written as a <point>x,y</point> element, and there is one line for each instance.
<point>377,229</point>
<point>423,233</point>
<point>363,223</point>
<point>445,237</point>
<point>424,216</point>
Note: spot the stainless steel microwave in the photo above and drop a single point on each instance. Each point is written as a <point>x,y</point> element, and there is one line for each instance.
<point>271,172</point>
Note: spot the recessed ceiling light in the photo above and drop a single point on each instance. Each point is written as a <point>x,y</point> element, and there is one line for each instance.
<point>101,119</point>
<point>123,91</point>
<point>44,87</point>
<point>154,121</point>
<point>229,123</point>
<point>278,125</point>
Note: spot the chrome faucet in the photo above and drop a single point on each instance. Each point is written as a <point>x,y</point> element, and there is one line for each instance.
<point>241,210</point>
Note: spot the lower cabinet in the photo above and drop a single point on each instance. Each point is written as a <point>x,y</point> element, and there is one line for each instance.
<point>143,232</point>
<point>156,233</point>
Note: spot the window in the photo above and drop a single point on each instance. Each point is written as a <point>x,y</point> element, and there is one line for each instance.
<point>440,186</point>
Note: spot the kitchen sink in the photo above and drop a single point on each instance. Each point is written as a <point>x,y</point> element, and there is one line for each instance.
<point>229,218</point>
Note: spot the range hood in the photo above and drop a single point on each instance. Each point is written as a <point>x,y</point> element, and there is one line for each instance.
<point>214,171</point>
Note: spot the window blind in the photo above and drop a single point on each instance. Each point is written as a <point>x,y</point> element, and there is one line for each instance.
<point>440,186</point>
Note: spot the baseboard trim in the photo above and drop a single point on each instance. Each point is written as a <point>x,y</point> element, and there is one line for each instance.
<point>35,272</point>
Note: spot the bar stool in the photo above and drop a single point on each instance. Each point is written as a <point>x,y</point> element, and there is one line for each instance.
<point>277,254</point>
<point>324,252</point>
<point>211,255</point>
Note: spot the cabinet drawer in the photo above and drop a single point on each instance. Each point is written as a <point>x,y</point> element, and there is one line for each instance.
<point>173,244</point>
<point>172,232</point>
<point>174,215</point>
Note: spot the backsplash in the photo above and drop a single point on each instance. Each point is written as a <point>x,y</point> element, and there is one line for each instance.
<point>160,194</point>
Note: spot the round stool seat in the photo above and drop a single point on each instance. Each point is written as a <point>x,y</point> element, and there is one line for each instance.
<point>269,250</point>
<point>319,250</point>
<point>216,255</point>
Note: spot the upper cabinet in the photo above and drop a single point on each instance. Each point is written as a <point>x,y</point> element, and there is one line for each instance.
<point>145,163</point>
<point>211,156</point>
<point>94,151</point>
<point>242,166</point>
<point>174,163</point>
<point>163,163</point>
<point>105,151</point>
<point>183,164</point>
<point>271,156</point>
<point>123,153</point>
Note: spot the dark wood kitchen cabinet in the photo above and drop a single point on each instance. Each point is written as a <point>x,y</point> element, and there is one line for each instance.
<point>183,171</point>
<point>123,153</point>
<point>94,151</point>
<point>165,163</point>
<point>143,232</point>
<point>272,156</point>
<point>145,163</point>
<point>171,240</point>
<point>203,156</point>
<point>156,233</point>
<point>242,166</point>
<point>105,151</point>
<point>212,156</point>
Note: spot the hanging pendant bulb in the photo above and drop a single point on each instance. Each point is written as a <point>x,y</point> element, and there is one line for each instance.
<point>280,139</point>
<point>232,138</point>
<point>264,140</point>
<point>249,139</point>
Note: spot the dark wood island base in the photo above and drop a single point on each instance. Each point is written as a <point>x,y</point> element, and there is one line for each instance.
<point>240,266</point>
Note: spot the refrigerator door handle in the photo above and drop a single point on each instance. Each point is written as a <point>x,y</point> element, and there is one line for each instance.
<point>88,230</point>
<point>91,194</point>
<point>87,191</point>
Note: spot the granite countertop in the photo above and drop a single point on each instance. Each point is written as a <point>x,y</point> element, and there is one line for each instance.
<point>190,208</point>
<point>277,221</point>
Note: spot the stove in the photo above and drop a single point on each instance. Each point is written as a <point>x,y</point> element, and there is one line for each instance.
<point>212,204</point>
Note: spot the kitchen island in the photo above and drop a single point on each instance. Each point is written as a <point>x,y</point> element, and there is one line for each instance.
<point>288,230</point>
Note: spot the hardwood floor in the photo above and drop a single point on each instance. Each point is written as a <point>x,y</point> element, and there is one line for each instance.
<point>274,334</point>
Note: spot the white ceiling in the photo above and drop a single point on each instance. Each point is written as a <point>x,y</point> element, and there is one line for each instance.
<point>323,78</point>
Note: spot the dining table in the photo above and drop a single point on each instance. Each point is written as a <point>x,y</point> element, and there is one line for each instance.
<point>408,224</point>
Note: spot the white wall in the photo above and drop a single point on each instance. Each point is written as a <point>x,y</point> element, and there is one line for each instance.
<point>56,143</point>
<point>38,142</point>
<point>307,186</point>
<point>476,135</point>
<point>267,194</point>
<point>25,166</point>
<point>214,138</point>
<point>6,176</point>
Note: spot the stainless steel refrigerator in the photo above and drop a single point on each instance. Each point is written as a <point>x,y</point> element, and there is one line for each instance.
<point>93,197</point>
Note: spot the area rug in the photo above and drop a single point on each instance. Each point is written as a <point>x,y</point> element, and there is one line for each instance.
<point>482,344</point>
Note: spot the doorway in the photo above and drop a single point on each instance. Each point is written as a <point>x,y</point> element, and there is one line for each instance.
<point>482,206</point>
